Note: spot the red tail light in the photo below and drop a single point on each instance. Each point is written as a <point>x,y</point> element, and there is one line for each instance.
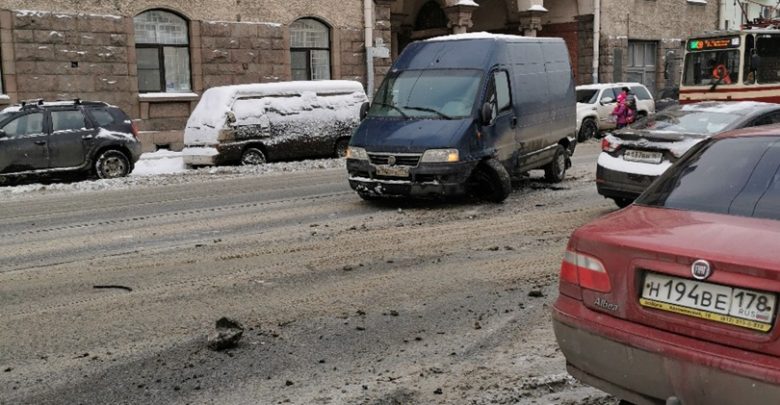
<point>608,145</point>
<point>585,271</point>
<point>134,128</point>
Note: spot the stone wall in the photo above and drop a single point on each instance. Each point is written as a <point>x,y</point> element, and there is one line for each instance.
<point>86,50</point>
<point>666,22</point>
<point>66,56</point>
<point>238,53</point>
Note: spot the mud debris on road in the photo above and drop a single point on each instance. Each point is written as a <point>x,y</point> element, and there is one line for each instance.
<point>341,301</point>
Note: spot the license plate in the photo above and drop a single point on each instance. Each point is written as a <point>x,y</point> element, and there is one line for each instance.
<point>643,156</point>
<point>735,306</point>
<point>392,171</point>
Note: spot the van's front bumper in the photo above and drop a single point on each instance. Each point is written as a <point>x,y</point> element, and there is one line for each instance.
<point>425,179</point>
<point>644,365</point>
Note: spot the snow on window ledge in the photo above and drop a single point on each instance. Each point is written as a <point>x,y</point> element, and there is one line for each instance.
<point>5,99</point>
<point>702,2</point>
<point>167,97</point>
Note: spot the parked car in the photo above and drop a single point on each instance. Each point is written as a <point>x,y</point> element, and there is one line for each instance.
<point>464,113</point>
<point>676,296</point>
<point>43,138</point>
<point>667,97</point>
<point>256,123</point>
<point>595,103</point>
<point>633,157</point>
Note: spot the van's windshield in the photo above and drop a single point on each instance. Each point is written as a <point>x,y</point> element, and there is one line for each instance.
<point>430,93</point>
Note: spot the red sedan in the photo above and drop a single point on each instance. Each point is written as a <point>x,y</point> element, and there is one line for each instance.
<point>675,297</point>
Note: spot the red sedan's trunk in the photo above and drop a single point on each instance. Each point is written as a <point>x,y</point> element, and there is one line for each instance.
<point>653,250</point>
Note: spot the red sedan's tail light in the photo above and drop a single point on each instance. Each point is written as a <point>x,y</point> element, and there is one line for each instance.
<point>585,271</point>
<point>134,127</point>
<point>608,145</point>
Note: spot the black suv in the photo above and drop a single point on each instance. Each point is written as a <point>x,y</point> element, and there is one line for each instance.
<point>47,138</point>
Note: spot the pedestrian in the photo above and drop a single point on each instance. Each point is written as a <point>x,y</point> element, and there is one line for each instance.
<point>630,103</point>
<point>622,112</point>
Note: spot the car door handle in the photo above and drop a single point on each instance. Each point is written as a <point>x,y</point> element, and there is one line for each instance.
<point>514,122</point>
<point>87,136</point>
<point>40,142</point>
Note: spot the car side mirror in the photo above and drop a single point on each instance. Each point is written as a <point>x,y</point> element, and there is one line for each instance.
<point>2,133</point>
<point>364,110</point>
<point>486,113</point>
<point>607,100</point>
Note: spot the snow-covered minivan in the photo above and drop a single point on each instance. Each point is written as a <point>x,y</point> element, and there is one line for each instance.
<point>256,123</point>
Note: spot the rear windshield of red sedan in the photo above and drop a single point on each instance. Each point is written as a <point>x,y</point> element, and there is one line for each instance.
<point>736,176</point>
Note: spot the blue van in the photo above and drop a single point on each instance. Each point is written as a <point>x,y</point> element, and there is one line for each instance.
<point>464,114</point>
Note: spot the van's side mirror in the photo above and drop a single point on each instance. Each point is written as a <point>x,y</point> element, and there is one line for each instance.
<point>607,100</point>
<point>364,110</point>
<point>486,113</point>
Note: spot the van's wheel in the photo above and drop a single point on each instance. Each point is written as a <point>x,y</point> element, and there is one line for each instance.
<point>253,157</point>
<point>555,171</point>
<point>341,147</point>
<point>588,129</point>
<point>493,181</point>
<point>112,164</point>
<point>623,202</point>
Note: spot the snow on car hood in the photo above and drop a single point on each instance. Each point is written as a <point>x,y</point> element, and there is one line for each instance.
<point>675,143</point>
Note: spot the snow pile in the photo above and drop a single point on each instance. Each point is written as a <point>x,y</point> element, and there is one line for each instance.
<point>249,102</point>
<point>160,162</point>
<point>161,169</point>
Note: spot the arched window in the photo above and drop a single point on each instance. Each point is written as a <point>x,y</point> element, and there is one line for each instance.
<point>310,50</point>
<point>430,16</point>
<point>162,52</point>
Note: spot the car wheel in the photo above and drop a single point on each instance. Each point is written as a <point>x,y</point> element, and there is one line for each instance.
<point>341,147</point>
<point>588,130</point>
<point>555,171</point>
<point>112,164</point>
<point>623,202</point>
<point>253,157</point>
<point>492,181</point>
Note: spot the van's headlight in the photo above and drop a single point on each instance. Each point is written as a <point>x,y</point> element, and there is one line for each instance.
<point>356,153</point>
<point>440,156</point>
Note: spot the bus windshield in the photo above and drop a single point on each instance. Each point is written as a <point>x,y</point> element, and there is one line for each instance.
<point>706,68</point>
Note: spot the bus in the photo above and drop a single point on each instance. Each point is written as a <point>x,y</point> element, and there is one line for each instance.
<point>732,65</point>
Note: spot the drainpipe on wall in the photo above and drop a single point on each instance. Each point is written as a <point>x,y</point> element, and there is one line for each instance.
<point>596,38</point>
<point>368,15</point>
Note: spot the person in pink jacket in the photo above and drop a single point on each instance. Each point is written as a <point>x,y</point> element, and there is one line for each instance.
<point>622,112</point>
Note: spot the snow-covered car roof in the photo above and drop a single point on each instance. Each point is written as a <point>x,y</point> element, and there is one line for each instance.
<point>729,107</point>
<point>599,86</point>
<point>488,35</point>
<point>210,114</point>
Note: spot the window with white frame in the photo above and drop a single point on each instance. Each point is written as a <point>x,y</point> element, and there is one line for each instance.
<point>162,52</point>
<point>310,50</point>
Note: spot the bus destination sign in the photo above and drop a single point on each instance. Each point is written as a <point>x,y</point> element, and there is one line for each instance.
<point>706,44</point>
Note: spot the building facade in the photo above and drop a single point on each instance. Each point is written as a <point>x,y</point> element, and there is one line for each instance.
<point>734,14</point>
<point>154,58</point>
